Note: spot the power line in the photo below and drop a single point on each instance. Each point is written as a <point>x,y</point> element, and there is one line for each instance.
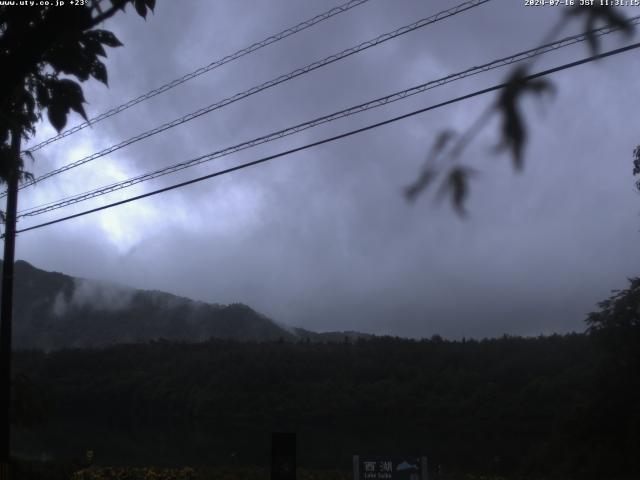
<point>70,200</point>
<point>336,137</point>
<point>202,70</point>
<point>271,83</point>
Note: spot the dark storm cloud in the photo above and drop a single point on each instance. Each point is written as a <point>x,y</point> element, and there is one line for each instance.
<point>324,239</point>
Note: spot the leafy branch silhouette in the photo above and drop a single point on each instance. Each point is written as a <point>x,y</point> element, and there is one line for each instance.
<point>40,48</point>
<point>442,164</point>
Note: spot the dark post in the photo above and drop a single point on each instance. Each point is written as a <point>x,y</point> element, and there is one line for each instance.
<point>283,456</point>
<point>6,311</point>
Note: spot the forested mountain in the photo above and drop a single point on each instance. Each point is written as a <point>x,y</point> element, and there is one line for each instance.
<point>562,406</point>
<point>503,406</point>
<point>53,310</point>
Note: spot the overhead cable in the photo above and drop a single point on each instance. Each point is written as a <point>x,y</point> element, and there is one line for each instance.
<point>334,138</point>
<point>378,102</point>
<point>202,70</point>
<point>271,83</point>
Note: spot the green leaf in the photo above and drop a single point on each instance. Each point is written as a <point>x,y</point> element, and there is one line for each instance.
<point>42,94</point>
<point>29,102</point>
<point>29,154</point>
<point>57,114</point>
<point>514,133</point>
<point>92,45</point>
<point>71,58</point>
<point>442,140</point>
<point>99,72</point>
<point>105,37</point>
<point>27,177</point>
<point>429,173</point>
<point>120,4</point>
<point>65,95</point>
<point>456,184</point>
<point>636,165</point>
<point>71,94</point>
<point>424,180</point>
<point>141,8</point>
<point>8,162</point>
<point>600,14</point>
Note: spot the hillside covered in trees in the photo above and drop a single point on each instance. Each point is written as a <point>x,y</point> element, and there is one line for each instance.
<point>54,310</point>
<point>563,406</point>
<point>509,406</point>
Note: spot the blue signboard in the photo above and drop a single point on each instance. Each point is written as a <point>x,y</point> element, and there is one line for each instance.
<point>381,468</point>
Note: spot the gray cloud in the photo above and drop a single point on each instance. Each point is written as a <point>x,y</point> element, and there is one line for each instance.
<point>324,239</point>
<point>93,295</point>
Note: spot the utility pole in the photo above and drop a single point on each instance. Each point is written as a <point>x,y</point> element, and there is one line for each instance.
<point>6,308</point>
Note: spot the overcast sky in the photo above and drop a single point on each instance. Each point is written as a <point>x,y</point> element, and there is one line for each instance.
<point>324,239</point>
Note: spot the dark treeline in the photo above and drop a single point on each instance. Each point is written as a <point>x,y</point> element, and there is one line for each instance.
<point>510,406</point>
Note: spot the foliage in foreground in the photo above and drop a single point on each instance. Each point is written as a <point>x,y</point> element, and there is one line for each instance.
<point>462,403</point>
<point>228,473</point>
<point>200,474</point>
<point>563,406</point>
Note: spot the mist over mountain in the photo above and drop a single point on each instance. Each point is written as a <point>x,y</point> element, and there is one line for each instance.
<point>53,311</point>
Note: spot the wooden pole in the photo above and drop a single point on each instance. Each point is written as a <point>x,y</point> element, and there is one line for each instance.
<point>424,468</point>
<point>6,310</point>
<point>356,467</point>
<point>283,456</point>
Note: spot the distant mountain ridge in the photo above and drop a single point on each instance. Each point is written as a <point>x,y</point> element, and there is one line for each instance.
<point>53,311</point>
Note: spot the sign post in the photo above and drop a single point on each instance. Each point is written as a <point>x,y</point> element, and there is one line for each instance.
<point>390,468</point>
<point>283,456</point>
